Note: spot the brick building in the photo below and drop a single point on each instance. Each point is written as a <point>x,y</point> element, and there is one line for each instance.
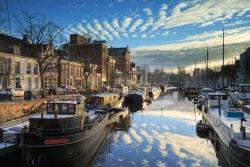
<point>81,48</point>
<point>122,58</point>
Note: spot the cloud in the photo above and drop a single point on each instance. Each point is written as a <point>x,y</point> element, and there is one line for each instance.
<point>196,13</point>
<point>109,28</point>
<point>115,23</point>
<point>136,24</point>
<point>148,11</point>
<point>147,24</point>
<point>205,12</point>
<point>212,38</point>
<point>162,17</point>
<point>125,24</point>
<point>144,36</point>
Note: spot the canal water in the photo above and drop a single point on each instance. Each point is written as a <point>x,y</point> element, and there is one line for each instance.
<point>163,134</point>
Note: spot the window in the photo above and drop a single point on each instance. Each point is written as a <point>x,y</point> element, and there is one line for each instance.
<point>18,83</point>
<point>71,108</point>
<point>4,66</point>
<point>245,89</point>
<point>64,109</point>
<point>224,97</point>
<point>36,69</point>
<point>51,108</point>
<point>36,83</point>
<point>17,67</point>
<point>212,97</point>
<point>29,84</point>
<point>28,68</point>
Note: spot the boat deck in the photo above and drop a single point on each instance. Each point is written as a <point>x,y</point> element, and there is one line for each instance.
<point>52,116</point>
<point>234,121</point>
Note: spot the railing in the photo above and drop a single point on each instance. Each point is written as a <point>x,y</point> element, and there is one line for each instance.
<point>9,139</point>
<point>41,132</point>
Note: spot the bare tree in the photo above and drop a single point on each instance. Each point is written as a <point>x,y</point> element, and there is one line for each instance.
<point>88,69</point>
<point>43,35</point>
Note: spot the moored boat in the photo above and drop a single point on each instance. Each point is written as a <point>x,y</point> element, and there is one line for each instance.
<point>64,134</point>
<point>154,92</point>
<point>230,133</point>
<point>191,92</point>
<point>105,99</point>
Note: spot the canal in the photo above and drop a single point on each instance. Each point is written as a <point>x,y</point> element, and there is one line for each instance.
<point>163,134</point>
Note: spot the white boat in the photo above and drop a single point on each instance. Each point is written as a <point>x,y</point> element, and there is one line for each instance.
<point>9,138</point>
<point>154,92</point>
<point>241,95</point>
<point>231,130</point>
<point>204,93</point>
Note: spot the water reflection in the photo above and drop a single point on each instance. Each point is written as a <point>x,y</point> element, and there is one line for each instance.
<point>161,135</point>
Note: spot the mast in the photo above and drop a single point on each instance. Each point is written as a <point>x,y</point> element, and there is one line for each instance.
<point>223,58</point>
<point>207,66</point>
<point>195,64</point>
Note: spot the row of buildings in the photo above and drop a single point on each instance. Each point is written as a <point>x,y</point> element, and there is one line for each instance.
<point>19,69</point>
<point>229,75</point>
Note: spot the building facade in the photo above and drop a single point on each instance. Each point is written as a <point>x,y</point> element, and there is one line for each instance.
<point>243,67</point>
<point>81,49</point>
<point>22,68</point>
<point>122,58</point>
<point>71,75</point>
<point>19,72</point>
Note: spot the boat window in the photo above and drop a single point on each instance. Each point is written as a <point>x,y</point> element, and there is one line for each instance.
<point>224,97</point>
<point>64,108</point>
<point>51,108</point>
<point>245,89</point>
<point>212,97</point>
<point>71,108</point>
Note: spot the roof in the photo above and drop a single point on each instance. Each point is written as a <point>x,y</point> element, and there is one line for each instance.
<point>104,94</point>
<point>118,51</point>
<point>64,102</point>
<point>244,84</point>
<point>206,89</point>
<point>217,94</point>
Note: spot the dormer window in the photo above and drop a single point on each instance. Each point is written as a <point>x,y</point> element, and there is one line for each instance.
<point>16,50</point>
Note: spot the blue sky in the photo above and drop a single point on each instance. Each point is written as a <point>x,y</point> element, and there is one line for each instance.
<point>148,25</point>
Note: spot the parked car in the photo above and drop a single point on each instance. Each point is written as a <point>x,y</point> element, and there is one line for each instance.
<point>5,95</point>
<point>56,91</point>
<point>15,92</point>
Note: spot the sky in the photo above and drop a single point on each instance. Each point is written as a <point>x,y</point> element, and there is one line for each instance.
<point>150,27</point>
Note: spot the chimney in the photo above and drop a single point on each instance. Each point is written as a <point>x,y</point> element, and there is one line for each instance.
<point>26,39</point>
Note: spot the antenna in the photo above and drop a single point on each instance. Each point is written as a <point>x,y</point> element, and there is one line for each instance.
<point>7,7</point>
<point>207,66</point>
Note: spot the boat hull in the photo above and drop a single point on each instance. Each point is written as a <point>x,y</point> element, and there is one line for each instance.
<point>82,146</point>
<point>228,155</point>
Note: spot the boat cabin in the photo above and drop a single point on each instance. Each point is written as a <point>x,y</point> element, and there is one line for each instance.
<point>218,99</point>
<point>244,91</point>
<point>103,99</point>
<point>205,91</point>
<point>61,115</point>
